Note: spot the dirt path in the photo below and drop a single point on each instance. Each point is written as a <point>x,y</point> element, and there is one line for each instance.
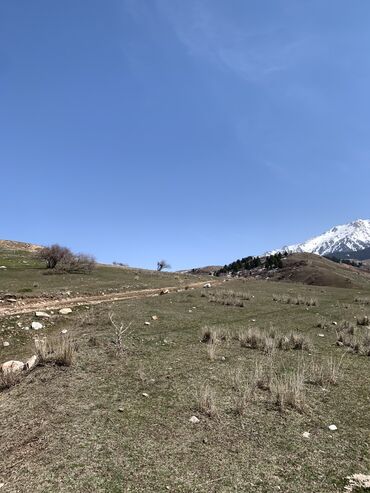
<point>27,306</point>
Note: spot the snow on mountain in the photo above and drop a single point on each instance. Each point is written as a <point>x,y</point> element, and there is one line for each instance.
<point>350,237</point>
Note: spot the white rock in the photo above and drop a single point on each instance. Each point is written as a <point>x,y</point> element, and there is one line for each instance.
<point>31,362</point>
<point>321,335</point>
<point>207,285</point>
<point>306,434</point>
<point>253,319</point>
<point>144,394</point>
<point>164,291</point>
<point>194,420</point>
<point>65,311</point>
<point>2,266</point>
<point>147,323</point>
<point>190,311</point>
<point>36,325</point>
<point>26,328</point>
<point>332,427</point>
<point>12,366</point>
<point>42,314</point>
<point>335,323</point>
<point>64,331</point>
<point>154,317</point>
<point>6,344</point>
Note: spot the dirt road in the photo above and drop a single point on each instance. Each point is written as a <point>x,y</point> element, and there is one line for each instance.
<point>30,305</point>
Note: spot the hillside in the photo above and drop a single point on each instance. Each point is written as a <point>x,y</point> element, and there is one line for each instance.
<point>19,245</point>
<point>359,255</point>
<point>315,270</point>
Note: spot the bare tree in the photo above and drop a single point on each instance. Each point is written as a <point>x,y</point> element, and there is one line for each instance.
<point>63,259</point>
<point>77,263</point>
<point>54,254</point>
<point>162,264</point>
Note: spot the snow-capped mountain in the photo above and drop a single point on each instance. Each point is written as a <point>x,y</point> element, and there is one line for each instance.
<point>350,237</point>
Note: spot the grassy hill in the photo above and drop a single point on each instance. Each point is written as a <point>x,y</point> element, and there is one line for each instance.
<point>119,421</point>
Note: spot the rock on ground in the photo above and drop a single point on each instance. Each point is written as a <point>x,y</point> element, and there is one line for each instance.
<point>65,311</point>
<point>36,325</point>
<point>12,366</point>
<point>42,314</point>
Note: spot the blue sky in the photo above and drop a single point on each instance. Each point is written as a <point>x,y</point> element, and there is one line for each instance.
<point>199,131</point>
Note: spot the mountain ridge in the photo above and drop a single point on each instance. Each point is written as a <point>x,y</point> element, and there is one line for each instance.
<point>350,237</point>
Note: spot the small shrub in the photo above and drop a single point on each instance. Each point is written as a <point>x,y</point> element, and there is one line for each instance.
<point>60,351</point>
<point>325,372</point>
<point>363,320</point>
<point>206,401</point>
<point>121,332</point>
<point>288,391</point>
<point>212,350</point>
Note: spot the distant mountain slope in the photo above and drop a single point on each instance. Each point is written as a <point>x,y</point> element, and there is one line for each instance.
<point>19,245</point>
<point>350,237</point>
<point>315,270</point>
<point>360,255</point>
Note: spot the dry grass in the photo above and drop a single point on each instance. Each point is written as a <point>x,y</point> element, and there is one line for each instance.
<point>267,342</point>
<point>8,380</point>
<point>362,301</point>
<point>356,338</point>
<point>288,390</point>
<point>325,372</point>
<point>206,401</point>
<point>211,348</point>
<point>295,300</point>
<point>229,297</point>
<point>60,351</point>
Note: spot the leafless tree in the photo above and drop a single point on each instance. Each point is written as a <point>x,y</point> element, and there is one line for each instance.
<point>63,259</point>
<point>162,264</point>
<point>54,254</point>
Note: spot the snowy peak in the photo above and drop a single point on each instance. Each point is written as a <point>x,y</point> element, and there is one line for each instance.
<point>350,237</point>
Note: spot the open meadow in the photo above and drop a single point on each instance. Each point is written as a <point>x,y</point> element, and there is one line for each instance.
<point>224,389</point>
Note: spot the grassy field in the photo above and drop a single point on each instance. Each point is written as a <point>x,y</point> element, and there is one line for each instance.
<point>120,421</point>
<point>27,277</point>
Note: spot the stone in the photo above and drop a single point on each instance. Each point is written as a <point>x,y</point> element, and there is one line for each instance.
<point>144,394</point>
<point>154,317</point>
<point>11,300</point>
<point>64,331</point>
<point>164,291</point>
<point>306,434</point>
<point>146,323</point>
<point>31,362</point>
<point>321,335</point>
<point>120,409</point>
<point>207,285</point>
<point>65,311</point>
<point>42,314</point>
<point>36,325</point>
<point>6,344</point>
<point>332,427</point>
<point>335,323</point>
<point>194,420</point>
<point>2,266</point>
<point>12,366</point>
<point>190,311</point>
<point>357,481</point>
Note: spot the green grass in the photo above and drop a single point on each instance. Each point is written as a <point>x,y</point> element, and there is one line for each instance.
<point>62,430</point>
<point>27,276</point>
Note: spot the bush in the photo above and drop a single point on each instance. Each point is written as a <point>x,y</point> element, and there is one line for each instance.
<point>62,259</point>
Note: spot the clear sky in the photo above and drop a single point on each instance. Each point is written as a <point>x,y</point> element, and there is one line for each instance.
<point>199,131</point>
